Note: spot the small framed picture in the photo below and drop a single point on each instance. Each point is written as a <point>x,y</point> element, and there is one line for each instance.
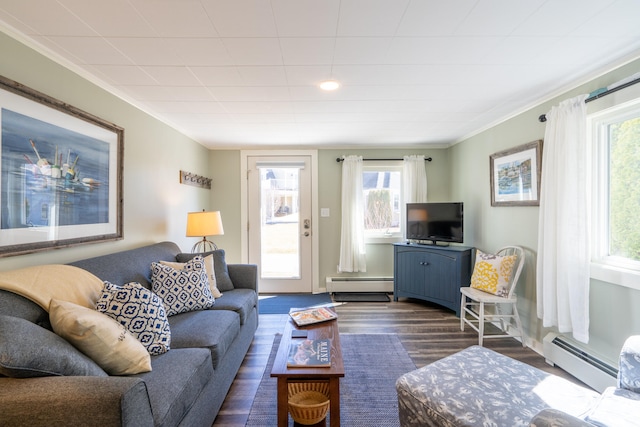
<point>515,175</point>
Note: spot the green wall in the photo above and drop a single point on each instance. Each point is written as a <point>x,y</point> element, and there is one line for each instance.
<point>224,169</point>
<point>460,172</point>
<point>612,313</point>
<point>155,203</point>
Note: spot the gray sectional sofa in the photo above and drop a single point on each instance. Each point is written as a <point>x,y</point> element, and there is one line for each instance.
<point>186,386</point>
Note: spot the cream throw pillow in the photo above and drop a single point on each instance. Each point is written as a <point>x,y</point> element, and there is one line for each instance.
<point>492,273</point>
<point>100,337</point>
<point>211,273</point>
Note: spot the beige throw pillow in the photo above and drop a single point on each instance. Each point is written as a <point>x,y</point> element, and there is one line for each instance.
<point>211,273</point>
<point>100,337</point>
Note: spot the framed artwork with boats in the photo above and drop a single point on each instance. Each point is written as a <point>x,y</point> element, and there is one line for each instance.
<point>515,175</point>
<point>60,173</point>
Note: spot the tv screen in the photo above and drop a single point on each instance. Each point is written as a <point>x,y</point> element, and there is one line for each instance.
<point>435,222</point>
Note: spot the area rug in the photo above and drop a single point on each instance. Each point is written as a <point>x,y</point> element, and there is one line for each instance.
<point>361,297</point>
<point>368,396</point>
<point>280,304</point>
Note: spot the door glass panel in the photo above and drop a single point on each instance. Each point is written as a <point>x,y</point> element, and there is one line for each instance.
<point>280,237</point>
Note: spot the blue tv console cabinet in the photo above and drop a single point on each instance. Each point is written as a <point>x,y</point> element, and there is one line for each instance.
<point>431,273</point>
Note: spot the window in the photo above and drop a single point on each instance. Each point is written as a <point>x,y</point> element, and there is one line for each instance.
<point>383,213</point>
<point>616,216</point>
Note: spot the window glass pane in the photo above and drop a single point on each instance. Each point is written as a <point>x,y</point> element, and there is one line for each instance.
<point>382,201</point>
<point>624,189</point>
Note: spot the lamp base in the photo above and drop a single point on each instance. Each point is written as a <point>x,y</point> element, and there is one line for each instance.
<point>203,245</point>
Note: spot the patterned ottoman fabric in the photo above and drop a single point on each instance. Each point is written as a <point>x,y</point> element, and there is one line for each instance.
<point>479,387</point>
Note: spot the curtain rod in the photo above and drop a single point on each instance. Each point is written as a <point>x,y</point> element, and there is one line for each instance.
<point>543,118</point>
<point>340,159</point>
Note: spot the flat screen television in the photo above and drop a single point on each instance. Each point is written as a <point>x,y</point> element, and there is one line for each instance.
<point>435,222</point>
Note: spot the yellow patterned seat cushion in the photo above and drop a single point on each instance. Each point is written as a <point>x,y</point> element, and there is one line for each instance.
<point>492,273</point>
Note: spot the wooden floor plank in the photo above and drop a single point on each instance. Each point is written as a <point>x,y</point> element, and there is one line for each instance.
<point>428,333</point>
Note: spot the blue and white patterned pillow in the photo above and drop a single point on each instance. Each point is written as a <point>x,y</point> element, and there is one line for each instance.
<point>140,311</point>
<point>182,290</point>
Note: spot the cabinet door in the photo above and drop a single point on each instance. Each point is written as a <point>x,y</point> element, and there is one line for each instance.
<point>409,271</point>
<point>440,275</point>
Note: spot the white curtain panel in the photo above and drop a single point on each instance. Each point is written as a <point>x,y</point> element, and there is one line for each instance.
<point>352,248</point>
<point>564,221</point>
<point>414,179</point>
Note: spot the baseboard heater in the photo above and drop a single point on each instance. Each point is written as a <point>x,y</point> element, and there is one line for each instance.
<point>359,284</point>
<point>588,368</point>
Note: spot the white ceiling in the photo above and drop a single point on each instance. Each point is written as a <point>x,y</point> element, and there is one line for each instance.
<point>244,73</point>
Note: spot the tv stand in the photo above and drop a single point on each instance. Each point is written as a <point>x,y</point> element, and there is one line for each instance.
<point>432,273</point>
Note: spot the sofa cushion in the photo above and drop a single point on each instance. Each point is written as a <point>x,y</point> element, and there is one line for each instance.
<point>140,311</point>
<point>28,350</point>
<point>616,407</point>
<point>209,264</point>
<point>177,379</point>
<point>242,301</point>
<point>100,337</point>
<point>133,265</point>
<point>12,304</point>
<point>214,330</point>
<point>184,289</point>
<point>223,280</point>
<point>492,273</point>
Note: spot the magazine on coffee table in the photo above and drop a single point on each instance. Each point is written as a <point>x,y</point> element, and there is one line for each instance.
<point>309,354</point>
<point>309,316</point>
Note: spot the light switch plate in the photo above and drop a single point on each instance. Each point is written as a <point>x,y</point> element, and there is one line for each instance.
<point>324,212</point>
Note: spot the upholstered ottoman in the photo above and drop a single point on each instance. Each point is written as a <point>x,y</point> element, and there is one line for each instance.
<point>479,387</point>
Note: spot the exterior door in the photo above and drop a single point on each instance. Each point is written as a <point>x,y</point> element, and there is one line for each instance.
<point>279,195</point>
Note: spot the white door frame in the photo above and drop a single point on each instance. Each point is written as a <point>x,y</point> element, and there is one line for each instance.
<point>244,247</point>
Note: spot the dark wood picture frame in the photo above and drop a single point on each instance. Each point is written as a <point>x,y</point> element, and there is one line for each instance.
<point>515,175</point>
<point>61,173</point>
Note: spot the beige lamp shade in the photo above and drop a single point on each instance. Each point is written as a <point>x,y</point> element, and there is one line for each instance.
<point>202,224</point>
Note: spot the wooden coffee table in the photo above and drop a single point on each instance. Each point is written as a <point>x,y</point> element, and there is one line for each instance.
<point>332,375</point>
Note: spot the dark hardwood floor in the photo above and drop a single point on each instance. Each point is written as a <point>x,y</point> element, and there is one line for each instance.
<point>427,331</point>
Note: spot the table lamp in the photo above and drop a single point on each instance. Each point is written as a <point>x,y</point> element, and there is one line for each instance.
<point>203,224</point>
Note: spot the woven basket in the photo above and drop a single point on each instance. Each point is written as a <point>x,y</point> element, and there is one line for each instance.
<point>297,387</point>
<point>308,407</point>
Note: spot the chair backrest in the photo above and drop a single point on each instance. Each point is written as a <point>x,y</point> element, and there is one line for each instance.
<point>519,265</point>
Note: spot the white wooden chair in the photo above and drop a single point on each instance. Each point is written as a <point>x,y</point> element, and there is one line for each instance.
<point>474,304</point>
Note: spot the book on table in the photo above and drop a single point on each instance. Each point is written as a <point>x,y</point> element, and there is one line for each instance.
<point>309,353</point>
<point>309,316</point>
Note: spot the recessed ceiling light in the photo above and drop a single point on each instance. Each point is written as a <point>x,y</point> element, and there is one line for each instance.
<point>329,85</point>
